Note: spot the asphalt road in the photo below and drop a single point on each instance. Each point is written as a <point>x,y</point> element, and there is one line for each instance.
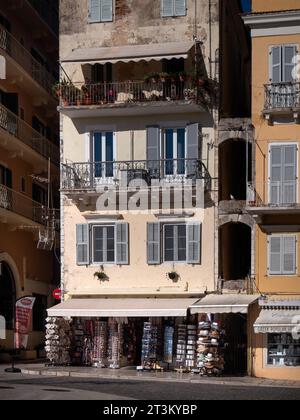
<point>42,388</point>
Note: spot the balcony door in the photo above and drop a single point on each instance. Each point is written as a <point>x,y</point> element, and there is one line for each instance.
<point>103,155</point>
<point>283,174</point>
<point>175,151</point>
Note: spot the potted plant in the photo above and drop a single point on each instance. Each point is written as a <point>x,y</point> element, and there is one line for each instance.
<point>56,91</point>
<point>164,77</point>
<point>173,276</point>
<point>182,76</point>
<point>101,275</point>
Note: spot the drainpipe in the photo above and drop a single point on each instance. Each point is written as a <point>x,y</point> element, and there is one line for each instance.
<point>210,38</point>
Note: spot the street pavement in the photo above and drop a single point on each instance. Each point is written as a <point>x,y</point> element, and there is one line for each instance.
<point>25,387</point>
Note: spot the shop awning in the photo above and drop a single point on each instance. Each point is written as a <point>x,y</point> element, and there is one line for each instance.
<point>122,308</point>
<point>224,304</point>
<point>277,321</point>
<point>126,54</point>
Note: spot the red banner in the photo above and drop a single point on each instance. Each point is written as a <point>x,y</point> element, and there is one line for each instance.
<point>24,308</point>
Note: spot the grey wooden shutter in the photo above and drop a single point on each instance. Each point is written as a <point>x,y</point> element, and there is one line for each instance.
<point>122,243</point>
<point>276,64</point>
<point>94,11</point>
<point>288,53</point>
<point>153,244</point>
<point>106,10</point>
<point>167,8</point>
<point>276,166</point>
<point>82,244</point>
<point>289,255</point>
<point>153,151</point>
<point>192,148</point>
<point>289,173</point>
<point>179,7</point>
<point>275,255</point>
<point>193,243</point>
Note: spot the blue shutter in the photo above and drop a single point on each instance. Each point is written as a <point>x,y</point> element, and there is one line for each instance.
<point>153,151</point>
<point>153,244</point>
<point>106,10</point>
<point>122,244</point>
<point>94,10</point>
<point>167,8</point>
<point>179,7</point>
<point>82,244</point>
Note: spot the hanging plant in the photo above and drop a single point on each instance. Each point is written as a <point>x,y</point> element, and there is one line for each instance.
<point>101,275</point>
<point>173,276</point>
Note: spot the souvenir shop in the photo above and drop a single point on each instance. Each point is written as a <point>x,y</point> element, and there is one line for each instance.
<point>147,334</point>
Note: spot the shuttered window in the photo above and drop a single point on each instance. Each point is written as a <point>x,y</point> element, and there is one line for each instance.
<point>282,63</point>
<point>282,254</point>
<point>82,244</point>
<point>101,10</point>
<point>153,244</point>
<point>171,8</point>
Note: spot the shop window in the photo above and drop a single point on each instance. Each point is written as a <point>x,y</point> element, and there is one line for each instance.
<point>101,11</point>
<point>282,255</point>
<point>173,8</point>
<point>174,243</point>
<point>39,313</point>
<point>283,350</point>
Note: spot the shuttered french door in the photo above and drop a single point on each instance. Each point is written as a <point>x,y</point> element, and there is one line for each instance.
<point>283,174</point>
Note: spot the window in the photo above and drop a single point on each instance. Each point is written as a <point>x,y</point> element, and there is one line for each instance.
<point>39,194</point>
<point>39,313</point>
<point>283,174</point>
<point>5,177</point>
<point>282,254</point>
<point>103,154</point>
<point>23,185</point>
<point>282,63</point>
<point>100,244</point>
<point>173,8</point>
<point>175,151</point>
<point>101,11</point>
<point>174,242</point>
<point>102,73</point>
<point>283,350</point>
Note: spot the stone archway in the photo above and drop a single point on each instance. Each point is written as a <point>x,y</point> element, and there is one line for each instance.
<point>8,294</point>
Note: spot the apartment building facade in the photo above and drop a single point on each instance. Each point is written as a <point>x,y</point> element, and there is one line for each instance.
<point>143,89</point>
<point>29,157</point>
<point>273,193</point>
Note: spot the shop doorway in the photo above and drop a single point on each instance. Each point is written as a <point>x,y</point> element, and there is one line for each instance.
<point>236,344</point>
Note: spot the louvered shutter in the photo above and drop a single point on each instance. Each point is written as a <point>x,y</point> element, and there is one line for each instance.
<point>82,244</point>
<point>288,53</point>
<point>275,255</point>
<point>153,244</point>
<point>122,243</point>
<point>275,64</point>
<point>179,7</point>
<point>194,243</point>
<point>94,11</point>
<point>153,151</point>
<point>276,165</point>
<point>106,10</point>
<point>289,171</point>
<point>289,255</point>
<point>167,8</point>
<point>192,148</point>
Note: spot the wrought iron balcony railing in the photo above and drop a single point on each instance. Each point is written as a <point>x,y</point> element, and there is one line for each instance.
<point>27,135</point>
<point>119,93</point>
<point>22,205</point>
<point>23,57</point>
<point>274,194</point>
<point>87,176</point>
<point>282,96</point>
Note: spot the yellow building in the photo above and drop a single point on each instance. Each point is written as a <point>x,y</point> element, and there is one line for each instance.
<point>29,136</point>
<point>273,196</point>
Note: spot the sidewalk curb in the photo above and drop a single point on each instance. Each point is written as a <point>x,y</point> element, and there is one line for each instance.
<point>193,380</point>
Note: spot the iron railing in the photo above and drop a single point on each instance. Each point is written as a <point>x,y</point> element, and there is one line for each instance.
<point>127,93</point>
<point>23,57</point>
<point>282,96</point>
<point>48,12</point>
<point>273,194</point>
<point>27,135</point>
<point>22,205</point>
<point>87,176</point>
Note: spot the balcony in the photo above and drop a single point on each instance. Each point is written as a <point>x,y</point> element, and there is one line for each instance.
<point>18,209</point>
<point>273,198</point>
<point>282,100</point>
<point>131,98</point>
<point>86,177</point>
<point>16,53</point>
<point>13,130</point>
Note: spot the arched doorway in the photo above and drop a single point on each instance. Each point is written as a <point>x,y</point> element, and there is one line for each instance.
<point>7,294</point>
<point>235,169</point>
